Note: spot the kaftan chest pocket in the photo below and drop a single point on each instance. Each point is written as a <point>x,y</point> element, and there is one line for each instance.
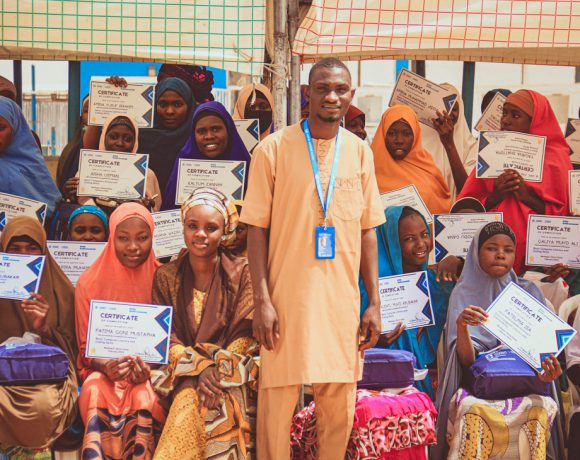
<point>348,203</point>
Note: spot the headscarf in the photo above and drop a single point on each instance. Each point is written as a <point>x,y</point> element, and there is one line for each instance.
<point>89,209</point>
<point>6,86</point>
<point>391,263</point>
<point>352,113</point>
<point>416,168</point>
<point>55,287</point>
<point>553,189</point>
<point>217,200</point>
<point>68,162</point>
<point>247,92</point>
<point>112,121</point>
<point>523,100</point>
<point>199,79</point>
<point>467,203</point>
<point>489,96</point>
<point>23,171</point>
<point>465,144</point>
<point>236,150</point>
<point>163,145</point>
<point>108,279</point>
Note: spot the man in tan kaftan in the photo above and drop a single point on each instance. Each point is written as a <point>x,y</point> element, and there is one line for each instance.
<point>307,310</point>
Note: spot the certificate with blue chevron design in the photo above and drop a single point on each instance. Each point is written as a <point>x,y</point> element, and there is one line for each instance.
<point>14,206</point>
<point>224,175</point>
<point>524,324</point>
<point>501,150</point>
<point>249,131</point>
<point>454,232</point>
<point>118,329</point>
<point>19,275</point>
<point>112,174</point>
<point>405,298</point>
<point>136,100</point>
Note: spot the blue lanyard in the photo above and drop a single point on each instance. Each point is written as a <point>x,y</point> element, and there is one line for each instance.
<point>316,171</point>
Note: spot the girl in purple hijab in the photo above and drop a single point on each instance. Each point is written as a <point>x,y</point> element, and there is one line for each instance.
<point>213,137</point>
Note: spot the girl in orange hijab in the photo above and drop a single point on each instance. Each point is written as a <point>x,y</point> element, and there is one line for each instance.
<point>401,160</point>
<point>120,410</point>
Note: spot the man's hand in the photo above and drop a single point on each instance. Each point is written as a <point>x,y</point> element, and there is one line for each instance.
<point>265,325</point>
<point>370,328</point>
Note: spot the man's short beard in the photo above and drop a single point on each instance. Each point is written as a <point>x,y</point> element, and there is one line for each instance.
<point>329,119</point>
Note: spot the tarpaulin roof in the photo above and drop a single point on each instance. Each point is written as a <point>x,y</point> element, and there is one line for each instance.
<point>513,31</point>
<point>227,34</point>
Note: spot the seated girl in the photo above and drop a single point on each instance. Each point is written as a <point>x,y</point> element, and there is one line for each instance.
<point>211,374</point>
<point>404,244</point>
<point>88,223</point>
<point>121,412</point>
<point>34,416</point>
<point>489,425</point>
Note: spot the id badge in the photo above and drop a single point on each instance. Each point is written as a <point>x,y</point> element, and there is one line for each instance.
<point>325,243</point>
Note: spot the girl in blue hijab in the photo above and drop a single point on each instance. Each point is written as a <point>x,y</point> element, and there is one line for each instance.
<point>23,171</point>
<point>213,136</point>
<point>404,243</point>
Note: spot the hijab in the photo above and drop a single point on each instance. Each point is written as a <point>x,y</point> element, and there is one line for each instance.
<point>416,168</point>
<point>55,287</point>
<point>6,86</point>
<point>249,92</point>
<point>112,121</point>
<point>235,151</point>
<point>89,209</point>
<point>391,263</point>
<point>465,144</point>
<point>163,145</point>
<point>352,113</point>
<point>68,162</point>
<point>485,101</point>
<point>553,189</point>
<point>23,171</point>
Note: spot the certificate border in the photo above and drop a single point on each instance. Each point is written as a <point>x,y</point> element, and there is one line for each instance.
<point>547,309</point>
<point>572,172</point>
<point>31,201</point>
<point>497,95</point>
<point>428,217</point>
<point>182,160</point>
<point>165,357</point>
<point>482,133</point>
<point>50,243</point>
<point>530,217</point>
<point>40,271</point>
<point>135,155</point>
<point>418,276</point>
<point>170,211</point>
<point>97,80</point>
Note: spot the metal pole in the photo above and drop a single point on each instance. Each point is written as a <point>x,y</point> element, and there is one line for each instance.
<point>418,67</point>
<point>293,16</point>
<point>467,90</point>
<point>17,66</point>
<point>74,96</point>
<point>280,60</point>
<point>33,102</point>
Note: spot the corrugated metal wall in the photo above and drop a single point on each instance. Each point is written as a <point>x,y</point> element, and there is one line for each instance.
<point>51,112</point>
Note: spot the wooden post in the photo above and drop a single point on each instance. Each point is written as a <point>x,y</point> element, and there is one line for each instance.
<point>74,96</point>
<point>280,60</point>
<point>467,90</point>
<point>418,67</point>
<point>17,66</point>
<point>293,17</point>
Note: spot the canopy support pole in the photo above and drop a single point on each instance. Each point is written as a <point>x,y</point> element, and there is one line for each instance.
<point>280,61</point>
<point>467,90</point>
<point>74,96</point>
<point>418,67</point>
<point>293,17</point>
<point>17,68</point>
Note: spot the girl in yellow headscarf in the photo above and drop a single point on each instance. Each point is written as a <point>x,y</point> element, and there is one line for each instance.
<point>401,160</point>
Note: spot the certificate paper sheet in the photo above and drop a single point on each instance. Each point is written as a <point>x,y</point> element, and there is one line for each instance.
<point>491,118</point>
<point>552,240</point>
<point>74,257</point>
<point>422,95</point>
<point>407,196</point>
<point>500,150</point>
<point>14,206</point>
<point>136,100</point>
<point>19,275</point>
<point>573,139</point>
<point>405,298</point>
<point>112,174</point>
<point>454,232</point>
<point>225,176</point>
<point>168,235</point>
<point>249,131</point>
<point>118,329</point>
<point>574,191</point>
<point>528,327</point>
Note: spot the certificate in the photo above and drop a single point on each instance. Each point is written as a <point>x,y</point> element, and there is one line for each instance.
<point>453,232</point>
<point>168,234</point>
<point>405,298</point>
<point>19,275</point>
<point>14,206</point>
<point>118,329</point>
<point>112,174</point>
<point>491,117</point>
<point>223,175</point>
<point>407,196</point>
<point>136,100</point>
<point>528,327</point>
<point>249,131</point>
<point>501,150</point>
<point>552,240</point>
<point>573,139</point>
<point>422,95</point>
<point>74,257</point>
<point>574,192</point>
